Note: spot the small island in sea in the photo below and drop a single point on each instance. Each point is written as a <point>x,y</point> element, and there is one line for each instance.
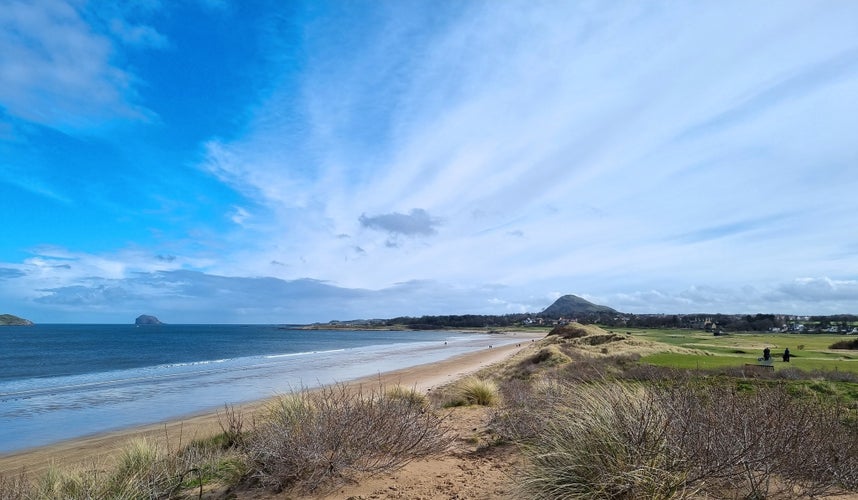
<point>146,320</point>
<point>11,320</point>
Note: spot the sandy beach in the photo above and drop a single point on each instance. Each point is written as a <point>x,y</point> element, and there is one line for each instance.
<point>100,448</point>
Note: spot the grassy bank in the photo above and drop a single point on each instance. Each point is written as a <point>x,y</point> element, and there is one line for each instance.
<point>704,350</point>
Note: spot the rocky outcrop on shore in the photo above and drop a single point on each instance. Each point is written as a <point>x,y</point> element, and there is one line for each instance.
<point>10,320</point>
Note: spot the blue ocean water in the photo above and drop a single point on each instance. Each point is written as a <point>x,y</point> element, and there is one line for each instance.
<point>64,381</point>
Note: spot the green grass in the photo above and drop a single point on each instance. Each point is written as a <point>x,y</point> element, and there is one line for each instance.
<point>744,348</point>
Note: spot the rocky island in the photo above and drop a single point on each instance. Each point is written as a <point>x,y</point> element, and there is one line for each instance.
<point>146,320</point>
<point>10,320</point>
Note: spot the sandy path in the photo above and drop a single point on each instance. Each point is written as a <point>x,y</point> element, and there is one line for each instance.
<point>100,448</point>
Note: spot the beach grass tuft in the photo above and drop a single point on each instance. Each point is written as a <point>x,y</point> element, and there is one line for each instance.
<point>409,395</point>
<point>477,391</point>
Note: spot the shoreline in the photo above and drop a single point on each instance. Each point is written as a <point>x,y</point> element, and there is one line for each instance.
<point>98,448</point>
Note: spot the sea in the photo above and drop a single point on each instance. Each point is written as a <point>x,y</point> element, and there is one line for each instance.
<point>60,382</point>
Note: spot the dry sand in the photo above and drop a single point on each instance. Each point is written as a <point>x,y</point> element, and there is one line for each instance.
<point>100,448</point>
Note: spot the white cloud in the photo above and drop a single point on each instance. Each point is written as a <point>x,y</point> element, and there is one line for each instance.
<point>620,148</point>
<point>57,70</point>
<point>137,35</point>
<point>239,215</point>
<point>682,157</point>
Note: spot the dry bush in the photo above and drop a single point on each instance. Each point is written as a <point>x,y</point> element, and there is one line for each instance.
<point>15,487</point>
<point>575,330</point>
<point>312,440</point>
<point>620,440</point>
<point>527,408</point>
<point>763,443</point>
<point>586,367</point>
<point>549,356</point>
<point>231,423</point>
<point>652,373</point>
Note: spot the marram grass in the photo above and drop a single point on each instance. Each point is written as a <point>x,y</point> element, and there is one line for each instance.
<point>478,391</point>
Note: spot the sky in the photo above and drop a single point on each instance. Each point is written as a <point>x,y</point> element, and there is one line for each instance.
<point>225,161</point>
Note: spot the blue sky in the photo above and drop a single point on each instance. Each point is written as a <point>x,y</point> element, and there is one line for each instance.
<point>226,161</point>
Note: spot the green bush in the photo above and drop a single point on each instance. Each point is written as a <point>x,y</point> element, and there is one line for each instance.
<point>845,344</point>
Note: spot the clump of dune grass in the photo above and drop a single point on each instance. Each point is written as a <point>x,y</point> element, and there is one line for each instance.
<point>312,440</point>
<point>617,439</point>
<point>56,483</point>
<point>476,391</point>
<point>409,395</point>
<point>143,470</point>
<point>610,441</point>
<point>289,409</point>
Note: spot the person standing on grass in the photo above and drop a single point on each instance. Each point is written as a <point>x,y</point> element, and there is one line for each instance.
<point>767,354</point>
<point>786,355</point>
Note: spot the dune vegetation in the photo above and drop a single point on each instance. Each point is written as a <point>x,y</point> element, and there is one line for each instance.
<point>589,413</point>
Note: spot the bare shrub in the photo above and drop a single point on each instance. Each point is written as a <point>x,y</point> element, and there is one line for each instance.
<point>762,442</point>
<point>15,487</point>
<point>835,376</point>
<point>651,373</point>
<point>549,356</point>
<point>231,423</point>
<point>325,438</point>
<point>790,374</point>
<point>620,440</point>
<point>586,368</point>
<point>573,331</point>
<point>527,408</point>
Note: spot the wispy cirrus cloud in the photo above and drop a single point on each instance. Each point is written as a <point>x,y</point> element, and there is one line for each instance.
<point>684,157</point>
<point>58,69</point>
<point>8,273</point>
